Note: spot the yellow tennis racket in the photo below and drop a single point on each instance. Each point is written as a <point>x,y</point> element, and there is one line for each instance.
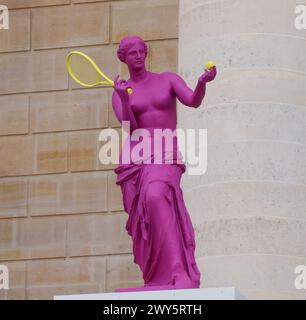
<point>84,71</point>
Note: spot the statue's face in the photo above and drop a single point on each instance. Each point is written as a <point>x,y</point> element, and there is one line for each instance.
<point>136,56</point>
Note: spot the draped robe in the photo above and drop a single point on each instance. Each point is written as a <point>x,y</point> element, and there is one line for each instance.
<point>158,221</point>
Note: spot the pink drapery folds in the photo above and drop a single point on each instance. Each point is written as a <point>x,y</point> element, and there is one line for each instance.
<point>158,221</point>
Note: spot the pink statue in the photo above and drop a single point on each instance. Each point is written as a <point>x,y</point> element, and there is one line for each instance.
<point>158,221</point>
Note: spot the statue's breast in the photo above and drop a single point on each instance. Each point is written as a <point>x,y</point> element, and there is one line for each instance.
<point>156,95</point>
<point>138,102</point>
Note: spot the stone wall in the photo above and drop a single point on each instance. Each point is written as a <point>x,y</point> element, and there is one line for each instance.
<point>61,216</point>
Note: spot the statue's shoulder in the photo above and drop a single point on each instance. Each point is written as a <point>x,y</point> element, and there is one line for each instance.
<point>168,75</point>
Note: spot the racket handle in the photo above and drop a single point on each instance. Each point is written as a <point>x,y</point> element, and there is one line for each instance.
<point>129,90</point>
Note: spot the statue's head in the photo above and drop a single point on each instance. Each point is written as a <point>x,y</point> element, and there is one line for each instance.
<point>132,51</point>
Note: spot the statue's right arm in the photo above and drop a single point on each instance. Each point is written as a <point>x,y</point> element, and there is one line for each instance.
<point>123,111</point>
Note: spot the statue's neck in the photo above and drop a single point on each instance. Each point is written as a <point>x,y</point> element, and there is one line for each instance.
<point>138,75</point>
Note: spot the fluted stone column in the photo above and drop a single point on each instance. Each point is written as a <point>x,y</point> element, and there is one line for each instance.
<point>249,208</point>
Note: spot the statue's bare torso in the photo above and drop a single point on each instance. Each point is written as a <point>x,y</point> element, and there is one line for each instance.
<point>153,102</point>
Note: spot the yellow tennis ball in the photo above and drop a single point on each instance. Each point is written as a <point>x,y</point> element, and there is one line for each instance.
<point>209,65</point>
<point>129,90</point>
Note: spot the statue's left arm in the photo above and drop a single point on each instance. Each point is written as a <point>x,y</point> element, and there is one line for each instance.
<point>184,94</point>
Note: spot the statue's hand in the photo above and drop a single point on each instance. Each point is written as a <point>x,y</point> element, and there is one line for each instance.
<point>208,75</point>
<point>121,86</point>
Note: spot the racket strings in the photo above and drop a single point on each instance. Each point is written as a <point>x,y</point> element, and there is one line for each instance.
<point>84,71</point>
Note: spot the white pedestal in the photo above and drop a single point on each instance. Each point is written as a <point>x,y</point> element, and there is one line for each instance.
<point>226,293</point>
